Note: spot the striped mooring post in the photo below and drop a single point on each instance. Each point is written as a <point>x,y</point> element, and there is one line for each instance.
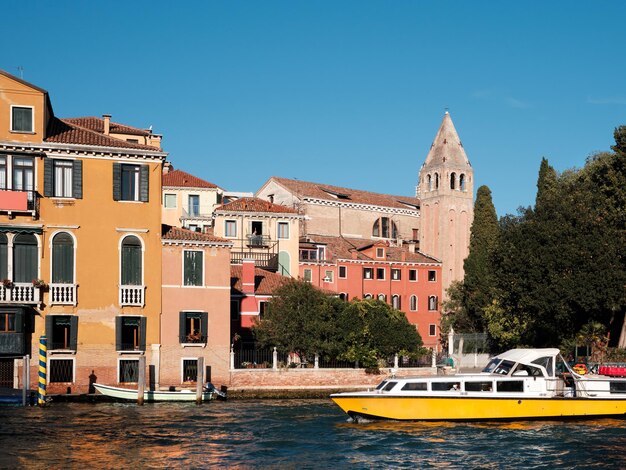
<point>41,392</point>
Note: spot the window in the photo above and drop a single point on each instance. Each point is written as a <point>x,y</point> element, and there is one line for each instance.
<point>130,182</point>
<point>343,272</point>
<point>453,181</point>
<point>23,174</point>
<point>432,276</point>
<point>25,259</point>
<point>462,182</point>
<point>432,303</point>
<point>307,275</point>
<point>413,303</point>
<point>3,173</point>
<point>132,262</point>
<point>308,255</point>
<point>193,227</point>
<point>367,296</point>
<point>283,230</point>
<point>129,371</point>
<point>478,386</point>
<point>22,119</point>
<point>190,370</point>
<point>429,183</point>
<point>62,331</point>
<point>368,273</point>
<point>415,386</point>
<point>510,386</point>
<point>7,322</point>
<point>328,276</point>
<point>380,252</point>
<point>445,386</point>
<point>194,205</point>
<point>4,256</point>
<point>343,296</point>
<point>230,228</point>
<point>382,297</point>
<point>61,370</point>
<point>193,327</point>
<point>436,180</point>
<point>432,330</point>
<point>192,268</point>
<point>395,302</point>
<point>264,307</point>
<point>396,274</point>
<point>62,259</point>
<point>413,275</point>
<point>169,201</point>
<point>380,273</point>
<point>321,253</point>
<point>130,333</point>
<point>63,178</point>
<point>384,228</point>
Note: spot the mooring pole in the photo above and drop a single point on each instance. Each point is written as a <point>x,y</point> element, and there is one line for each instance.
<point>43,371</point>
<point>200,380</point>
<point>141,386</point>
<point>25,379</point>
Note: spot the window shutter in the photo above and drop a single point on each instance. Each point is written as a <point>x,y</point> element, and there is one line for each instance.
<point>142,333</point>
<point>19,321</point>
<point>204,325</point>
<point>117,181</point>
<point>48,177</point>
<point>49,324</point>
<point>73,332</point>
<point>118,333</point>
<point>77,179</point>
<point>144,182</point>
<point>182,333</point>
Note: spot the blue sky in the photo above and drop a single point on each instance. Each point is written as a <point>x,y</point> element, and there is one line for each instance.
<point>349,93</point>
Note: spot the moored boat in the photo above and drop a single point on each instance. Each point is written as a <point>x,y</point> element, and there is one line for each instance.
<point>209,393</point>
<point>517,384</point>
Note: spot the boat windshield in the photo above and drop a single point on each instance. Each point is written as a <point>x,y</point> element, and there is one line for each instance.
<point>381,385</point>
<point>498,366</point>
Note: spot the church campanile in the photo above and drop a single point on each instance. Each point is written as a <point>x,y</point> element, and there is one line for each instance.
<point>446,191</point>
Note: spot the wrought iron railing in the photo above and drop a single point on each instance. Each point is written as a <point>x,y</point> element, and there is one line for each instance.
<point>193,339</point>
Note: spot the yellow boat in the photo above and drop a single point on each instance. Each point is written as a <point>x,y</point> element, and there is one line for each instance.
<point>517,384</point>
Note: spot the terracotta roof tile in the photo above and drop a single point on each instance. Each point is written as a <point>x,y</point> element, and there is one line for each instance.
<point>96,124</point>
<point>253,204</point>
<point>64,132</point>
<point>181,234</point>
<point>265,282</point>
<point>181,179</point>
<point>337,193</point>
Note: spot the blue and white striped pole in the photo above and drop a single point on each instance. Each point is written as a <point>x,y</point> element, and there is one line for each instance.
<point>43,352</point>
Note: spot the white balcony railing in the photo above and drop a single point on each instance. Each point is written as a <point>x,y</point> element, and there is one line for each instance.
<point>63,294</point>
<point>20,293</point>
<point>132,295</point>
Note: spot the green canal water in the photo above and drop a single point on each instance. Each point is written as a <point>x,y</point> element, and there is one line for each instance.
<point>289,434</point>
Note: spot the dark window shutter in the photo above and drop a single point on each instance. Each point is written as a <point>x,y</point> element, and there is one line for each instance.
<point>19,321</point>
<point>25,258</point>
<point>117,181</point>
<point>73,332</point>
<point>182,330</point>
<point>142,333</point>
<point>77,179</point>
<point>48,177</point>
<point>204,325</point>
<point>118,333</point>
<point>49,329</point>
<point>4,256</point>
<point>144,175</point>
<point>131,261</point>
<point>62,258</point>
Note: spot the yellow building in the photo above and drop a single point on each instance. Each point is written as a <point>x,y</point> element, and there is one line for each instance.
<point>80,243</point>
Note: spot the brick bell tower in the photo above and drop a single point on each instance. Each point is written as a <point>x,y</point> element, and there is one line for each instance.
<point>446,191</point>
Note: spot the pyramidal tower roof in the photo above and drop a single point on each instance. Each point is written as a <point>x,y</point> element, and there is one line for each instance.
<point>447,147</point>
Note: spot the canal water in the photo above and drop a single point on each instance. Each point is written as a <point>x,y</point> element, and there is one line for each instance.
<point>289,434</point>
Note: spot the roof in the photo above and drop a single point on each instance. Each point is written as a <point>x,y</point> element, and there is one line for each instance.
<point>63,131</point>
<point>343,248</point>
<point>181,234</point>
<point>97,124</point>
<point>265,282</point>
<point>254,204</point>
<point>22,81</point>
<point>527,356</point>
<point>304,189</point>
<point>181,179</point>
<point>447,147</point>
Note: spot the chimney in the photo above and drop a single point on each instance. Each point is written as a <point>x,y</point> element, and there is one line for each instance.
<point>403,256</point>
<point>249,308</point>
<point>107,123</point>
<point>354,254</point>
<point>167,167</point>
<point>247,276</point>
<point>412,247</point>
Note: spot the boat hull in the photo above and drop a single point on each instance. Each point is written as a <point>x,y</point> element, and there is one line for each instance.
<point>468,409</point>
<point>151,395</point>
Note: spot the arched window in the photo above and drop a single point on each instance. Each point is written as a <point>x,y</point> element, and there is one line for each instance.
<point>436,180</point>
<point>343,296</point>
<point>429,183</point>
<point>395,302</point>
<point>382,297</point>
<point>462,182</point>
<point>432,302</point>
<point>25,265</point>
<point>367,296</point>
<point>384,227</point>
<point>132,262</point>
<point>4,256</point>
<point>62,259</point>
<point>453,181</point>
<point>413,303</point>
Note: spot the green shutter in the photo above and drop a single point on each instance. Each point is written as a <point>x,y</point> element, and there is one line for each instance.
<point>204,325</point>
<point>117,181</point>
<point>182,331</point>
<point>142,333</point>
<point>48,177</point>
<point>25,258</point>
<point>131,262</point>
<point>73,332</point>
<point>19,321</point>
<point>4,258</point>
<point>63,258</point>
<point>144,177</point>
<point>192,268</point>
<point>118,333</point>
<point>77,179</point>
<point>49,329</point>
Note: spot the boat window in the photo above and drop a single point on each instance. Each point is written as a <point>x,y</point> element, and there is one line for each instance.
<point>504,368</point>
<point>414,386</point>
<point>546,363</point>
<point>389,386</point>
<point>445,386</point>
<point>478,386</point>
<point>381,385</point>
<point>489,368</point>
<point>527,370</point>
<point>510,386</point>
<point>618,387</point>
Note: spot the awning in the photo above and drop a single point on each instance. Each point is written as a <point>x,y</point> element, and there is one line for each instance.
<point>38,229</point>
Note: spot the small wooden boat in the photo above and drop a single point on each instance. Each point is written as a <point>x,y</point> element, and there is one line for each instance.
<point>209,393</point>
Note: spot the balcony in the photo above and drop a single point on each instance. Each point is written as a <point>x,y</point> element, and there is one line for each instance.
<point>261,241</point>
<point>20,293</point>
<point>197,213</point>
<point>267,261</point>
<point>63,294</point>
<point>13,201</point>
<point>132,296</point>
